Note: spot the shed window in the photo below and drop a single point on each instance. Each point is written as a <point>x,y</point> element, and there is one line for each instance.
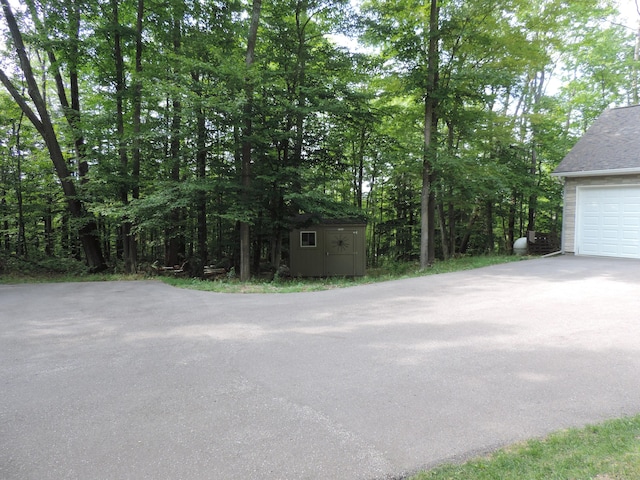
<point>307,239</point>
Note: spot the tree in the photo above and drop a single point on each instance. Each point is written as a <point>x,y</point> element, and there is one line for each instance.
<point>443,134</point>
<point>41,120</point>
<point>245,241</point>
<point>427,197</point>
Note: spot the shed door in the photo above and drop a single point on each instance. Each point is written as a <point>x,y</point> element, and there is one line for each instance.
<point>340,249</point>
<point>608,221</point>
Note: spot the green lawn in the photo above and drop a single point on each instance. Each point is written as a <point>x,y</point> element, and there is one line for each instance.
<point>609,451</point>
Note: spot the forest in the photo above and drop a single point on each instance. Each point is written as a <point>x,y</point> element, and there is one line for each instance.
<point>144,132</point>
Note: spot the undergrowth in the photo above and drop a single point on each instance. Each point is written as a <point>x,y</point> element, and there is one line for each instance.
<point>18,270</point>
<point>386,272</point>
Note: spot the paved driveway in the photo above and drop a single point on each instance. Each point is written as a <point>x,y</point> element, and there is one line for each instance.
<point>144,381</point>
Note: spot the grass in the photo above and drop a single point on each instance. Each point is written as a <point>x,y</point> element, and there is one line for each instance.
<point>391,271</point>
<point>609,451</point>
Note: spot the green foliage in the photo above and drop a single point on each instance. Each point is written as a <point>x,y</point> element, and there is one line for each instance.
<point>334,133</point>
<point>320,205</point>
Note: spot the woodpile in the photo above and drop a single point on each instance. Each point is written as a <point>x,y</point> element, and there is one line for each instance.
<point>177,270</point>
<point>210,271</point>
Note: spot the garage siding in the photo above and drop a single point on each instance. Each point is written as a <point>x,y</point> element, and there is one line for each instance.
<point>570,197</point>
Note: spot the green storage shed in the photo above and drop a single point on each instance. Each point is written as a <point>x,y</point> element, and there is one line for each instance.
<point>320,247</point>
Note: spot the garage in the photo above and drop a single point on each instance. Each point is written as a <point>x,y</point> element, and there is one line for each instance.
<point>608,221</point>
<point>601,176</point>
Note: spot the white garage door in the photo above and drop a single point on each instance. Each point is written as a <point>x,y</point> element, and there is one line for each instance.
<point>608,221</point>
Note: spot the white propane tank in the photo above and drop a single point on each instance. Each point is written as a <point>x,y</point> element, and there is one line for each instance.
<point>520,246</point>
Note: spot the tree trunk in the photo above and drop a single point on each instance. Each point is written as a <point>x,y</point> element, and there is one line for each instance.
<point>301,95</point>
<point>136,124</point>
<point>201,202</point>
<point>533,198</point>
<point>443,231</point>
<point>245,238</point>
<point>121,88</point>
<point>175,249</point>
<point>490,242</point>
<point>201,172</point>
<point>451,212</point>
<point>464,244</point>
<point>175,252</point>
<point>21,243</point>
<point>4,182</point>
<point>427,210</point>
<point>276,250</point>
<point>71,110</point>
<point>359,152</point>
<point>511,230</point>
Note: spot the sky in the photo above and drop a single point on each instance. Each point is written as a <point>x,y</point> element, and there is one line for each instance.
<point>629,17</point>
<point>629,12</point>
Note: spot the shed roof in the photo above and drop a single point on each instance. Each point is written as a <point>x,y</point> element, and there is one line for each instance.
<point>611,146</point>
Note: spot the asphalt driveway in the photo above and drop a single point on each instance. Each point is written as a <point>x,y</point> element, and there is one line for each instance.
<point>141,380</point>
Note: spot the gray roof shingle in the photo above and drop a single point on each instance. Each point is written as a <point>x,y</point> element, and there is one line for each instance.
<point>611,143</point>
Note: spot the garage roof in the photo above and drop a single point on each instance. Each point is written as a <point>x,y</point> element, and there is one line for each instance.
<point>611,146</point>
